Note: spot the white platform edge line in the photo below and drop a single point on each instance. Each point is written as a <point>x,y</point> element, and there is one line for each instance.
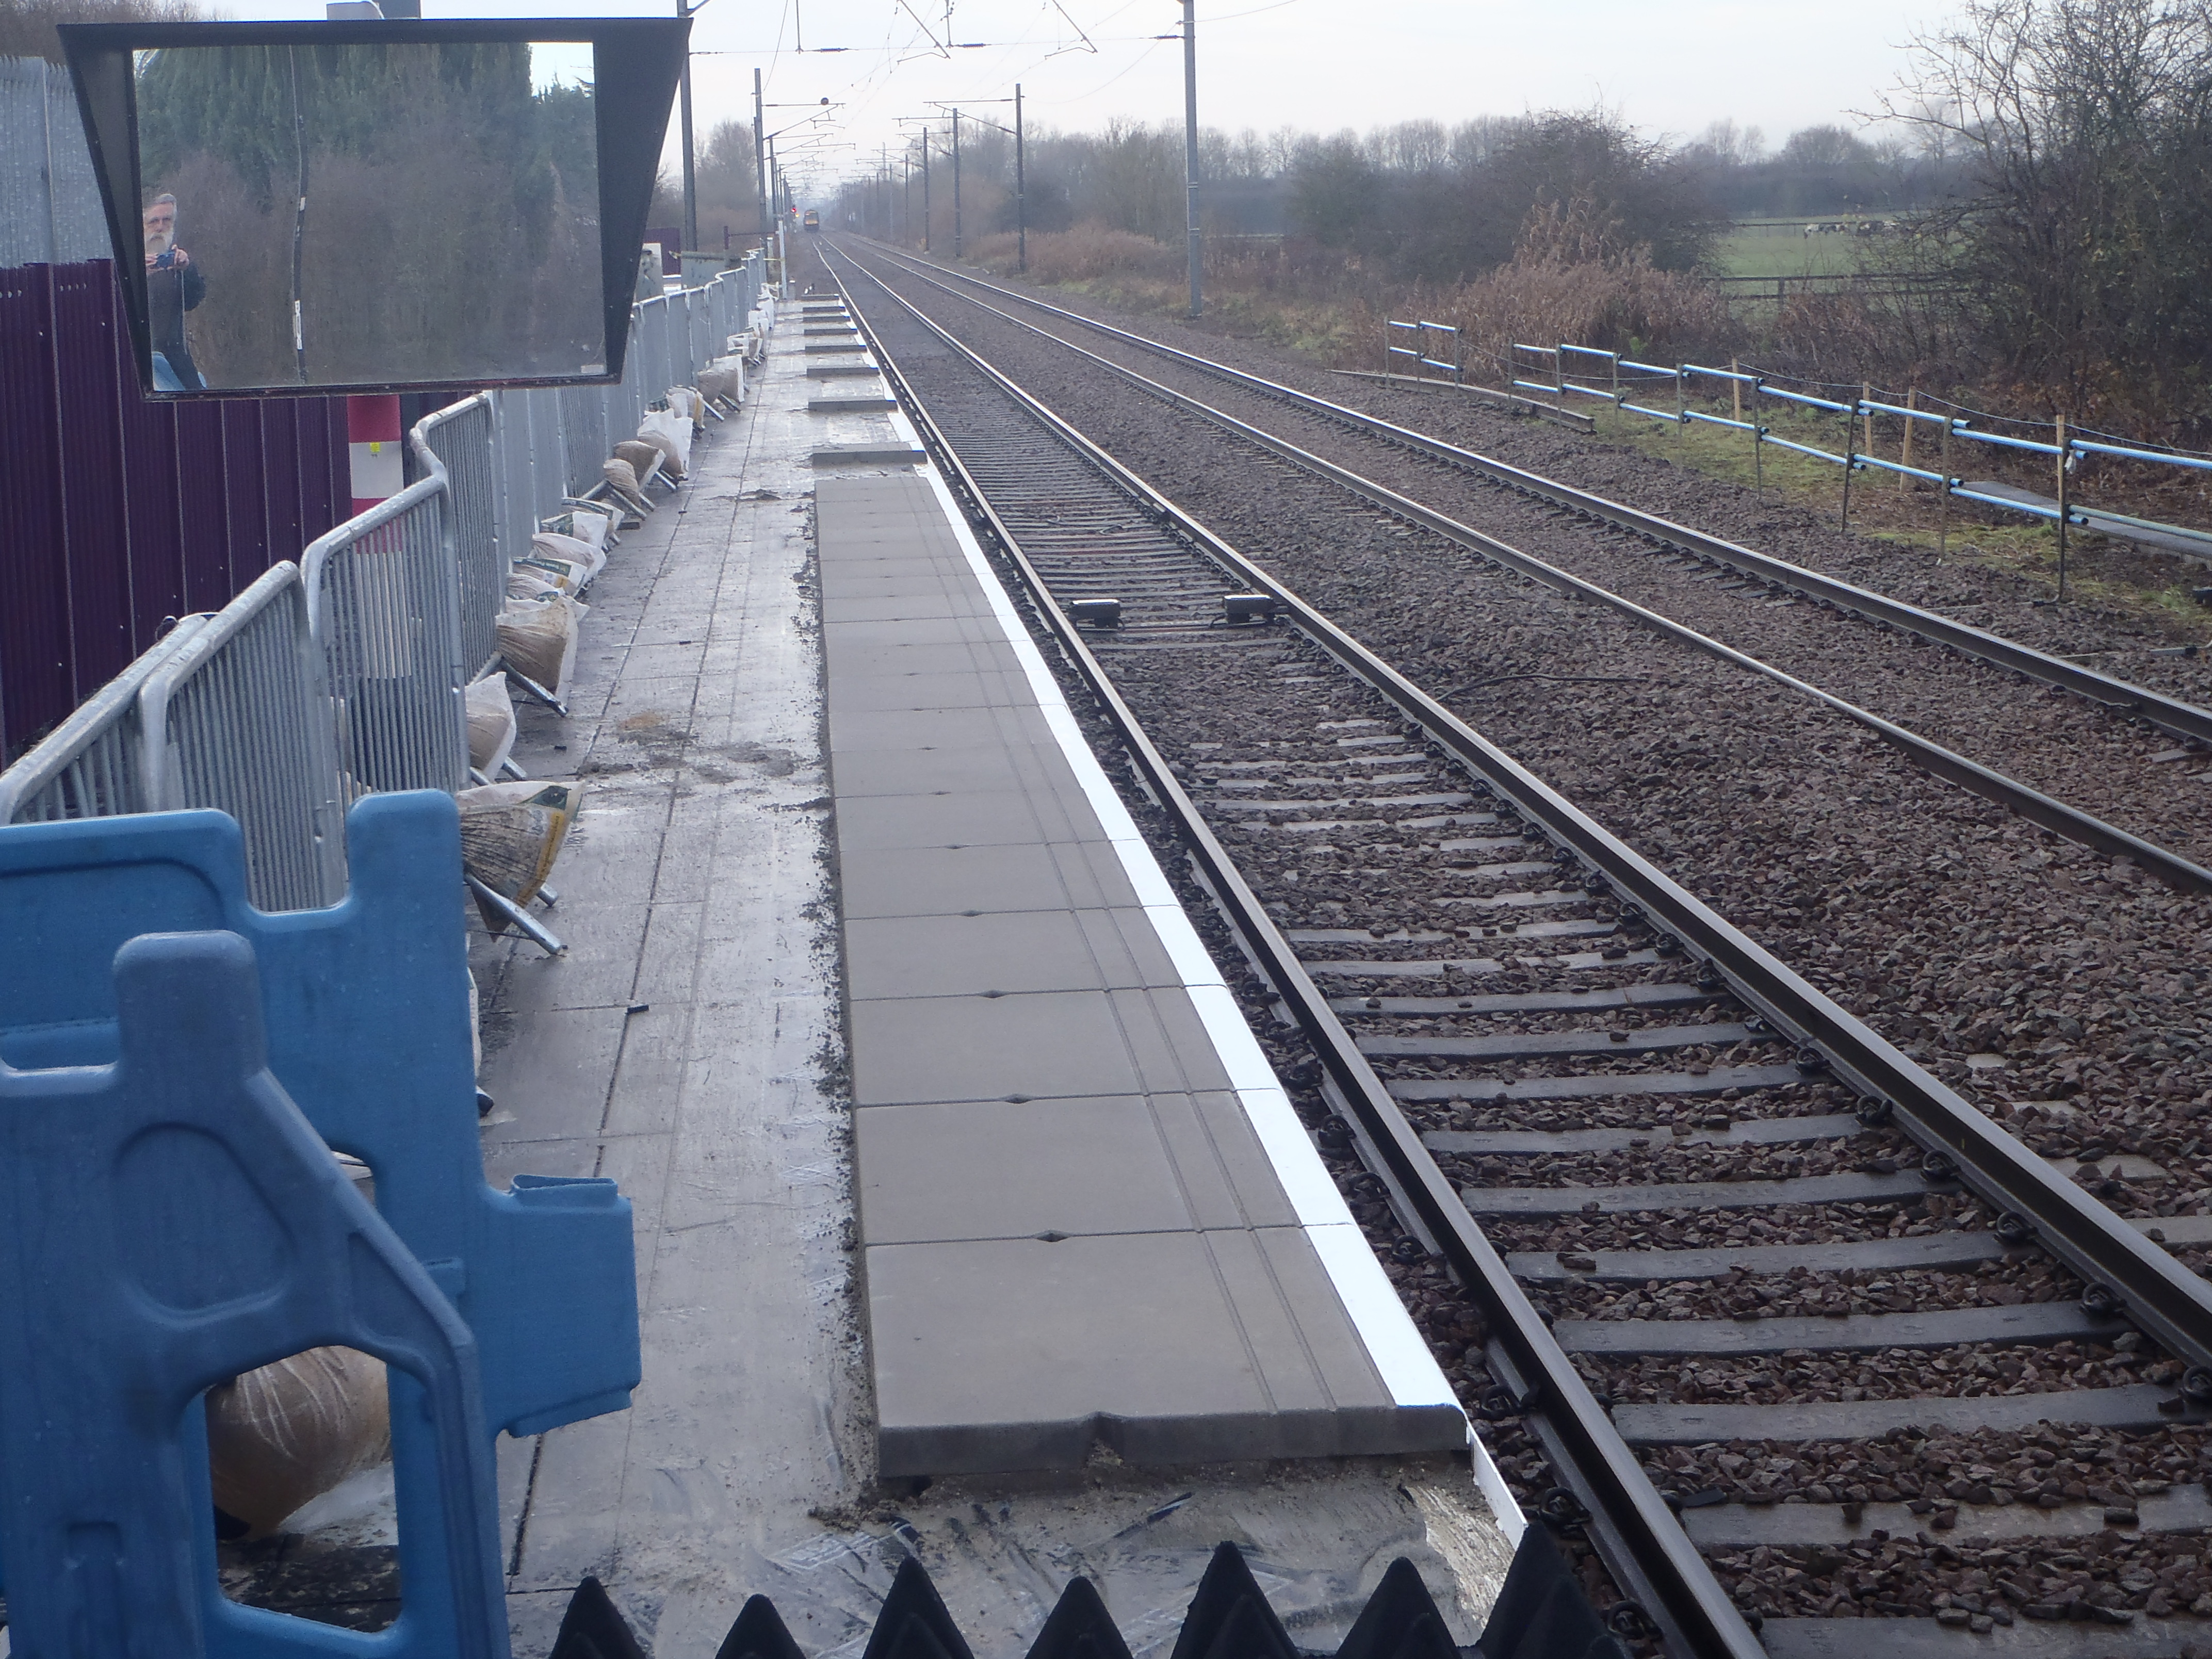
<point>1394,1346</point>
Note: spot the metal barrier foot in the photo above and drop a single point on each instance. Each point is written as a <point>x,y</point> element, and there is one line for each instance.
<point>615,528</point>
<point>540,693</point>
<point>494,899</point>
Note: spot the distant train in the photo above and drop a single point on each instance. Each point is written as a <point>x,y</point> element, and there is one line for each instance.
<point>811,221</point>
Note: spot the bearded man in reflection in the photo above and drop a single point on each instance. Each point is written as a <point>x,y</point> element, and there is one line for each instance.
<point>174,287</point>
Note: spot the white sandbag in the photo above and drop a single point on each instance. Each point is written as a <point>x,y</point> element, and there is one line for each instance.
<point>683,402</point>
<point>287,1432</point>
<point>511,833</point>
<point>590,528</point>
<point>672,436</point>
<point>550,544</point>
<point>539,640</point>
<point>491,723</point>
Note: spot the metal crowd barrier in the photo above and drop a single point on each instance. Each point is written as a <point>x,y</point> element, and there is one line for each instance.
<point>384,602</point>
<point>87,768</point>
<point>344,674</point>
<point>237,718</point>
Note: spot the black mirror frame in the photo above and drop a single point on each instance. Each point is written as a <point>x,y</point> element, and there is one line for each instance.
<point>636,62</point>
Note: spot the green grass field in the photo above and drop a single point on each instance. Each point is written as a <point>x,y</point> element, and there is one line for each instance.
<point>1789,253</point>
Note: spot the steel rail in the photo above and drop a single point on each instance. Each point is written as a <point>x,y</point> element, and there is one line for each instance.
<point>1648,1553</point>
<point>2164,1296</point>
<point>2173,715</point>
<point>2070,822</point>
<point>2153,1289</point>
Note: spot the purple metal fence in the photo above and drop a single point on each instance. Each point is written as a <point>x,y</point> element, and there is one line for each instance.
<point>115,513</point>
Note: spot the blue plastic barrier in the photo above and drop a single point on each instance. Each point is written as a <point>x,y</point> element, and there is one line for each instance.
<point>366,1006</point>
<point>171,1220</point>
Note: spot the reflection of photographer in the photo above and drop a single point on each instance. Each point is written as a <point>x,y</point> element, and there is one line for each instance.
<point>174,287</point>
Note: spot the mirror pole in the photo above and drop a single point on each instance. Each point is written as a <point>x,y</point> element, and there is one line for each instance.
<point>691,181</point>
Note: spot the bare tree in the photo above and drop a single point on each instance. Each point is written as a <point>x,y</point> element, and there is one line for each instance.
<point>27,27</point>
<point>1733,146</point>
<point>2081,245</point>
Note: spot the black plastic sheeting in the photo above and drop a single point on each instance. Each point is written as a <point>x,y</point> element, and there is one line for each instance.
<point>1541,1614</point>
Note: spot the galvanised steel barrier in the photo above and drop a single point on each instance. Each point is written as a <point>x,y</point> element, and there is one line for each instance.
<point>485,536</point>
<point>88,767</point>
<point>385,609</point>
<point>239,719</point>
<point>344,673</point>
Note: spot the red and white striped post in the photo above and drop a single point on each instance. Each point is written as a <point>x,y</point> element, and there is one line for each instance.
<point>373,441</point>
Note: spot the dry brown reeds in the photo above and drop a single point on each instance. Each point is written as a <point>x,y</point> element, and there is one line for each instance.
<point>1087,253</point>
<point>1572,280</point>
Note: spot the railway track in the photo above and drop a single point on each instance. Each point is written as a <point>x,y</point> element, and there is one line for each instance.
<point>1565,1094</point>
<point>1799,624</point>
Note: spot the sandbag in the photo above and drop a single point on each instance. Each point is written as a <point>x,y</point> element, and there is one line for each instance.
<point>559,576</point>
<point>724,382</point>
<point>550,544</point>
<point>592,527</point>
<point>511,833</point>
<point>288,1432</point>
<point>623,476</point>
<point>523,582</point>
<point>684,403</point>
<point>589,528</point>
<point>672,434</point>
<point>491,723</point>
<point>539,640</point>
<point>643,457</point>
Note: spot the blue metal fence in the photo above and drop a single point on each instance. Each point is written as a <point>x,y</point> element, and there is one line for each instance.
<point>2064,450</point>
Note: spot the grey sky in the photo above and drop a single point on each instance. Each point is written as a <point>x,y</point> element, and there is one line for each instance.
<point>1667,67</point>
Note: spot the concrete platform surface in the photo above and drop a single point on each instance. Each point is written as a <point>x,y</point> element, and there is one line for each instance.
<point>1089,1214</point>
<point>691,1044</point>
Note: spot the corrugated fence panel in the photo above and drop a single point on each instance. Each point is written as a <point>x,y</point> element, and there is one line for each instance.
<point>121,514</point>
<point>204,544</point>
<point>36,685</point>
<point>50,211</point>
<point>125,514</point>
<point>246,493</point>
<point>95,528</point>
<point>151,483</point>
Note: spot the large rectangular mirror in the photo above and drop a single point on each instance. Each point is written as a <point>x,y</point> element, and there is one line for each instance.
<point>377,205</point>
